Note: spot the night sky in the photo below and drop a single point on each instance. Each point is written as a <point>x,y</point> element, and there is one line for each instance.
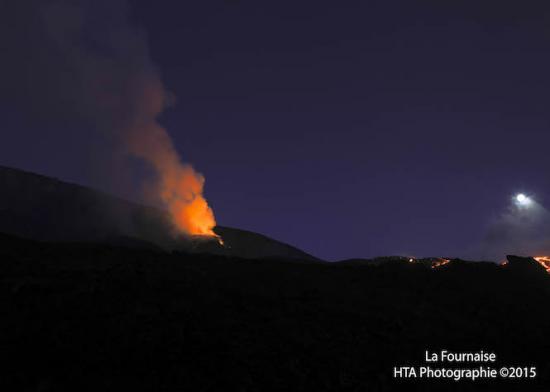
<point>348,129</point>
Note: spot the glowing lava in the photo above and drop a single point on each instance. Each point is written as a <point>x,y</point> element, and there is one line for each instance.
<point>440,262</point>
<point>432,262</point>
<point>544,261</point>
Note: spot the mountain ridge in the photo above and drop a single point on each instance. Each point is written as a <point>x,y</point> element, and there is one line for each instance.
<point>43,208</point>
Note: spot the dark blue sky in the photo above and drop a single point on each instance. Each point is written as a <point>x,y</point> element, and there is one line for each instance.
<point>348,129</point>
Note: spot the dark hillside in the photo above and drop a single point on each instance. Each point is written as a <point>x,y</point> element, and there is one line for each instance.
<point>85,317</point>
<point>44,208</point>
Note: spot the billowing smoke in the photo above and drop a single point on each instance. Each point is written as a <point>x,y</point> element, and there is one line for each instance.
<point>84,60</point>
<point>524,229</point>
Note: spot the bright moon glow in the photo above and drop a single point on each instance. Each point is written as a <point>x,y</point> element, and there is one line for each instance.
<point>522,200</point>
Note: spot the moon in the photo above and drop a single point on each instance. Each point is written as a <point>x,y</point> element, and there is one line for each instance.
<point>522,200</point>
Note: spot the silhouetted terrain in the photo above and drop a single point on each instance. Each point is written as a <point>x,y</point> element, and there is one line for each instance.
<point>43,208</point>
<point>86,317</point>
<point>112,302</point>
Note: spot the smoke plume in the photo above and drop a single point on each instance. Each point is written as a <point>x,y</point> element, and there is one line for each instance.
<point>84,62</point>
<point>521,230</point>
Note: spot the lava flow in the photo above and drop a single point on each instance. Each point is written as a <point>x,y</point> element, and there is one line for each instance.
<point>440,262</point>
<point>544,261</point>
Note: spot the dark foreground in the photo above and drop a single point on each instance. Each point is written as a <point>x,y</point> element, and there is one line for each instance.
<point>101,318</point>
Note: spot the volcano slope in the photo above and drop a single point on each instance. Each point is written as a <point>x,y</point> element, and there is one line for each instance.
<point>43,208</point>
<point>100,317</point>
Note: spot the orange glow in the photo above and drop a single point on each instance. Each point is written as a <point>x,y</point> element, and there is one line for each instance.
<point>544,261</point>
<point>440,263</point>
<point>178,186</point>
<point>181,192</point>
